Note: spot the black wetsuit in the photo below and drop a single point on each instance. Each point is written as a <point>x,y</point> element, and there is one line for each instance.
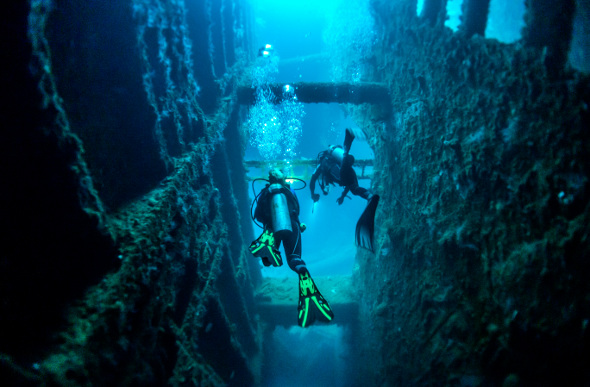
<point>291,239</point>
<point>333,173</point>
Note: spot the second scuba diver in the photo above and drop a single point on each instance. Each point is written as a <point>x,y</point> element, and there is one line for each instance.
<point>277,208</point>
<point>335,167</point>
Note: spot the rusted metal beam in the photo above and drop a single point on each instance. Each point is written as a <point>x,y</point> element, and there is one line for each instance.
<point>305,173</point>
<point>322,92</point>
<point>305,162</point>
<point>276,300</point>
<point>549,28</point>
<point>475,17</point>
<point>434,10</point>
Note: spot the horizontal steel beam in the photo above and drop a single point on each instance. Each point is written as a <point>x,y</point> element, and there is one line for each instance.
<point>321,92</point>
<point>305,174</point>
<point>295,163</point>
<point>277,298</point>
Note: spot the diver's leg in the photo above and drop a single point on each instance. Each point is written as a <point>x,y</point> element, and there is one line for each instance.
<point>292,245</point>
<point>361,191</point>
<point>348,139</point>
<point>312,305</point>
<point>352,183</point>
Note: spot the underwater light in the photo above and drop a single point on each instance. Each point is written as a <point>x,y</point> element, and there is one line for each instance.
<point>265,51</point>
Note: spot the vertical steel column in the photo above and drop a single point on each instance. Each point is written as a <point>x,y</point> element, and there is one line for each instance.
<point>434,10</point>
<point>549,25</point>
<point>474,17</point>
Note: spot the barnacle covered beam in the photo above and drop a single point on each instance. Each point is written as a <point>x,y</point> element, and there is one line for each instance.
<point>323,92</point>
<point>549,28</point>
<point>276,298</point>
<point>475,17</point>
<point>308,167</point>
<point>433,10</point>
<point>482,245</point>
<point>122,260</point>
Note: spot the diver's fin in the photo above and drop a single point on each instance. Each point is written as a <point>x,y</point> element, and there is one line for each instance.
<point>348,139</point>
<point>312,305</point>
<point>366,225</point>
<point>264,247</point>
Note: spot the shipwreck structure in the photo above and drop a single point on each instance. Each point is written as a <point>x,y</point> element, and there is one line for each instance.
<point>125,210</point>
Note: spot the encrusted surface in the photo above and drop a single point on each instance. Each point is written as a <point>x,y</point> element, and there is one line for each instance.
<point>118,269</point>
<point>480,275</point>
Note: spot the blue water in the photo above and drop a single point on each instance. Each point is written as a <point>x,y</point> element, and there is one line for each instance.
<point>311,40</point>
<point>305,36</point>
<point>296,32</point>
<point>299,33</point>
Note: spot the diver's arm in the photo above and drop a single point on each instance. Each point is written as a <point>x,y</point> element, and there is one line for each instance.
<point>340,200</point>
<point>315,197</point>
<point>348,139</point>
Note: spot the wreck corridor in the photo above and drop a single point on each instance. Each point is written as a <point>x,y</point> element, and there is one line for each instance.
<point>138,135</point>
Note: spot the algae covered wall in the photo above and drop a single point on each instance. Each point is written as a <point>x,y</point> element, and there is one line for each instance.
<point>122,262</point>
<point>481,274</point>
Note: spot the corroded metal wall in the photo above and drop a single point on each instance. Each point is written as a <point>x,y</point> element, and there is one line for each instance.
<point>125,264</point>
<point>481,273</point>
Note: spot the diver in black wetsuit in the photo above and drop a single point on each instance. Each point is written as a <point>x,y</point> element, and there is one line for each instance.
<point>285,224</point>
<point>335,167</point>
<point>278,210</point>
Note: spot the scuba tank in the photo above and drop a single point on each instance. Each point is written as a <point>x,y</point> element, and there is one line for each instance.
<point>338,153</point>
<point>343,159</point>
<point>279,209</point>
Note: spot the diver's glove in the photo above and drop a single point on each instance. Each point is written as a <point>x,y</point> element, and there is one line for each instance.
<point>315,197</point>
<point>340,200</point>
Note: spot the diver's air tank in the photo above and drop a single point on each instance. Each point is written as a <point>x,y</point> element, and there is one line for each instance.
<point>337,153</point>
<point>279,209</point>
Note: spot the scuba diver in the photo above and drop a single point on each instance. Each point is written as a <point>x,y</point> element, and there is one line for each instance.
<point>277,207</point>
<point>335,167</point>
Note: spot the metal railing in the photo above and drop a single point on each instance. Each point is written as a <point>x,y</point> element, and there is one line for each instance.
<point>302,168</point>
